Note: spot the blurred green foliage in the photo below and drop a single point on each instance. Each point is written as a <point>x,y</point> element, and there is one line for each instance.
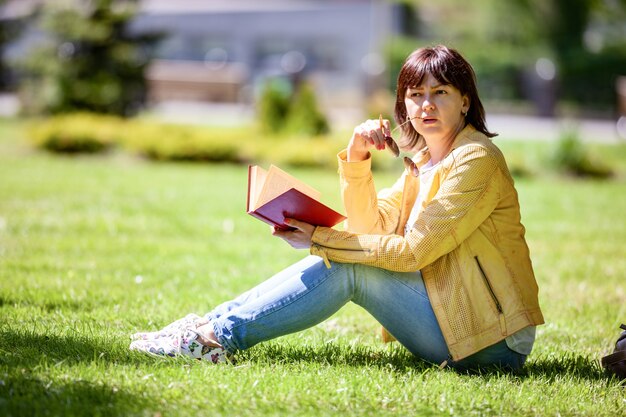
<point>273,105</point>
<point>584,39</point>
<point>77,133</point>
<point>571,157</point>
<point>304,117</point>
<point>92,133</point>
<point>588,42</point>
<point>181,143</point>
<point>284,110</point>
<point>9,29</point>
<point>89,60</point>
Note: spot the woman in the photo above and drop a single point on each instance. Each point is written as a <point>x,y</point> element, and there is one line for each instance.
<point>440,259</point>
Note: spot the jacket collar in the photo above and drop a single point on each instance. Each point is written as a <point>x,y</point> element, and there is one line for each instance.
<point>423,156</point>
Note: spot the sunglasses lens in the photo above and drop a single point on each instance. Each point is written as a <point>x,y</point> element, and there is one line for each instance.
<point>392,146</point>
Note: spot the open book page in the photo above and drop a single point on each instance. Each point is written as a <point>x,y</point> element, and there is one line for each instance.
<point>277,181</point>
<point>257,176</point>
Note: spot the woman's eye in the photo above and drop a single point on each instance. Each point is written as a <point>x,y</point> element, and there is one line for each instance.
<point>441,91</point>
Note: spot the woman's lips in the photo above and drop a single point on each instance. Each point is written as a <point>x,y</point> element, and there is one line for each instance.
<point>428,120</point>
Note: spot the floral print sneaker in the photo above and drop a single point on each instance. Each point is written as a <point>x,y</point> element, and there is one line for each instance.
<point>189,346</point>
<point>179,338</point>
<point>162,346</point>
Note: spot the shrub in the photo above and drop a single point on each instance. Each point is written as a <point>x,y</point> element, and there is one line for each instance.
<point>78,132</point>
<point>273,106</point>
<point>519,161</point>
<point>281,110</point>
<point>519,169</point>
<point>83,132</point>
<point>180,143</point>
<point>571,157</point>
<point>304,116</point>
<point>91,133</point>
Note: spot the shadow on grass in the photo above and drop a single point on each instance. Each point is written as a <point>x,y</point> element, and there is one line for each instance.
<point>395,357</point>
<point>23,394</point>
<point>569,366</point>
<point>26,391</point>
<point>25,348</point>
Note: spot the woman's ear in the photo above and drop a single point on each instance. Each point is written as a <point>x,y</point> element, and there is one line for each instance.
<point>465,104</point>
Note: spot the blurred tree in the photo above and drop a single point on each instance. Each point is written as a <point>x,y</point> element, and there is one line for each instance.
<point>406,15</point>
<point>4,37</point>
<point>409,28</point>
<point>273,105</point>
<point>584,40</point>
<point>469,27</point>
<point>304,116</point>
<point>287,108</point>
<point>587,39</point>
<point>90,60</point>
<point>9,30</point>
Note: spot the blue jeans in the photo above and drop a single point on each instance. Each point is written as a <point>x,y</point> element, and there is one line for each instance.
<point>307,293</point>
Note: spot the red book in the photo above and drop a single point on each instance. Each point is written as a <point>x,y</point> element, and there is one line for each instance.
<point>274,195</point>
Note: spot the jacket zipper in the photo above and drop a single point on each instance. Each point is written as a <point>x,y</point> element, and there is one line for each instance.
<point>364,250</point>
<point>489,287</point>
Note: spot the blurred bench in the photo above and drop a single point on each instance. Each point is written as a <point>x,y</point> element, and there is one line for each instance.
<point>170,80</point>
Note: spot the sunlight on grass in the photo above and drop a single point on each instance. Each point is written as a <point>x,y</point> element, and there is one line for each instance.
<point>95,248</point>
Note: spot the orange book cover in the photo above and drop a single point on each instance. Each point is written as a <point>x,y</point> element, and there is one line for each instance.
<point>274,195</point>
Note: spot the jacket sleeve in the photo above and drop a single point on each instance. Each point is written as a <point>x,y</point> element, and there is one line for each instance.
<point>367,212</point>
<point>469,193</point>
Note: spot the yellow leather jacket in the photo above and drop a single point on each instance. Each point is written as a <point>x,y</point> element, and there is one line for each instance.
<point>468,240</point>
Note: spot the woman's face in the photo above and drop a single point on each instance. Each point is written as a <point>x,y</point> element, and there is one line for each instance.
<point>436,109</point>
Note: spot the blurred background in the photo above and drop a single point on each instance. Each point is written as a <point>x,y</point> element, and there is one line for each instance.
<point>312,67</point>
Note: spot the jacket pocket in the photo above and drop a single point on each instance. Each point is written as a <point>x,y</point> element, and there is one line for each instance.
<point>492,293</point>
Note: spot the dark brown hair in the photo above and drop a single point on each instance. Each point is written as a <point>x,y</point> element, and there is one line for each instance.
<point>448,67</point>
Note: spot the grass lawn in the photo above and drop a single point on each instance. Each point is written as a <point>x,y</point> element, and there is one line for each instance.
<point>95,248</point>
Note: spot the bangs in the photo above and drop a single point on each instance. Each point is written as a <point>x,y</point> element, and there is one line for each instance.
<point>418,68</point>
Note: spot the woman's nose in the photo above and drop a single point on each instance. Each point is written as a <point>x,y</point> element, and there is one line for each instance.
<point>427,104</point>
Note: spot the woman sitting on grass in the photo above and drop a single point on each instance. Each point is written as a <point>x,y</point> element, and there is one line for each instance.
<point>440,259</point>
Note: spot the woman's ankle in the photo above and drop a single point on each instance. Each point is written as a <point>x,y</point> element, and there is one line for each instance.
<point>206,335</point>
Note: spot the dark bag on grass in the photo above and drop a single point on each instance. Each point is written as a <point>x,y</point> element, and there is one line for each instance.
<point>615,363</point>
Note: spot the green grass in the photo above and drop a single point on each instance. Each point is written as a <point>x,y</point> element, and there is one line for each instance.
<point>95,248</point>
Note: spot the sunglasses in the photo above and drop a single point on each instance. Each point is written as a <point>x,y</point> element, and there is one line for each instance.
<point>395,150</point>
